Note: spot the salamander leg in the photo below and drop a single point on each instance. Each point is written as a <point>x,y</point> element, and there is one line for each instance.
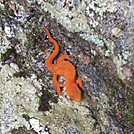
<point>80,83</point>
<point>63,57</point>
<point>57,84</point>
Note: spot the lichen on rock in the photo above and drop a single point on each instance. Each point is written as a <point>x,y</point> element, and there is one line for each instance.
<point>98,34</point>
<point>17,97</point>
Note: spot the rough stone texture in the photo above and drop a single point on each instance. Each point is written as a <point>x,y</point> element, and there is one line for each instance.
<point>99,36</point>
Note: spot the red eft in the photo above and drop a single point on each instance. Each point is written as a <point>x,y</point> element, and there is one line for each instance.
<point>64,67</point>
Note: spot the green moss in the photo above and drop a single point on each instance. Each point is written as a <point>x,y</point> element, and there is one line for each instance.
<point>131,111</point>
<point>35,53</point>
<point>39,97</point>
<point>5,56</point>
<point>10,12</point>
<point>31,42</point>
<point>45,98</point>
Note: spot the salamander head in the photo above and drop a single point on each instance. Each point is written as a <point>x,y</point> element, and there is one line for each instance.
<point>74,92</point>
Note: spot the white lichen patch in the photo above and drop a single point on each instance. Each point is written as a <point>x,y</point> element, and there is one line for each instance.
<point>70,114</point>
<point>17,97</point>
<point>101,6</point>
<point>119,60</point>
<point>4,43</point>
<point>116,32</point>
<point>35,124</point>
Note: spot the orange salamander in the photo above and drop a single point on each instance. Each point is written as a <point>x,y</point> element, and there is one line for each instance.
<point>73,84</point>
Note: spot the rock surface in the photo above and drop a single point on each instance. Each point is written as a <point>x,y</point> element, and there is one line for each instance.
<point>99,36</point>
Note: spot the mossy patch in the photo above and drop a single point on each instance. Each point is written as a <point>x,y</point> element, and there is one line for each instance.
<point>44,100</point>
